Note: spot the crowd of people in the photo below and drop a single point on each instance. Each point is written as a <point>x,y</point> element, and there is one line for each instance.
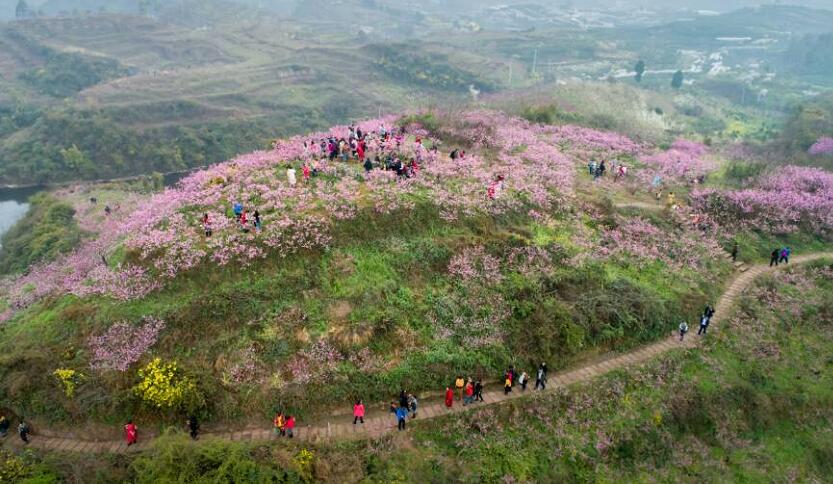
<point>379,150</point>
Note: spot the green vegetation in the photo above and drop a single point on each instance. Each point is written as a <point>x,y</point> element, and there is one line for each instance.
<point>47,230</point>
<point>66,74</point>
<point>753,404</point>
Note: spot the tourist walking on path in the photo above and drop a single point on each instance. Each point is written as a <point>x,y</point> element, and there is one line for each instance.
<point>358,412</point>
<point>773,258</point>
<point>541,378</point>
<point>459,384</point>
<point>290,426</point>
<point>785,255</point>
<point>4,426</point>
<point>449,397</point>
<point>401,417</point>
<point>193,427</point>
<point>413,404</point>
<point>403,399</point>
<point>469,398</point>
<point>206,225</point>
<point>280,424</point>
<point>523,380</point>
<point>23,431</point>
<point>478,391</point>
<point>704,325</point>
<point>735,252</point>
<point>683,330</point>
<point>507,385</point>
<point>131,433</point>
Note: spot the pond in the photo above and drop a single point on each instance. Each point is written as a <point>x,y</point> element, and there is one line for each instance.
<point>13,205</point>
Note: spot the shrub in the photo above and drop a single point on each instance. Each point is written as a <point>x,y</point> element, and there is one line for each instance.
<point>69,380</point>
<point>163,385</point>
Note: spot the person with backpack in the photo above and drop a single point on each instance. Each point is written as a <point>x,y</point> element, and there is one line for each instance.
<point>785,255</point>
<point>131,433</point>
<point>193,427</point>
<point>358,412</point>
<point>23,431</point>
<point>541,378</point>
<point>280,424</point>
<point>773,259</point>
<point>683,330</point>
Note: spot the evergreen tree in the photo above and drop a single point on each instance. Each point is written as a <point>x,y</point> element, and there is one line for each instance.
<point>640,70</point>
<point>677,80</point>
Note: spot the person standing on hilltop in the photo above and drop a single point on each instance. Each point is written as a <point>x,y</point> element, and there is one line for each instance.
<point>206,225</point>
<point>290,176</point>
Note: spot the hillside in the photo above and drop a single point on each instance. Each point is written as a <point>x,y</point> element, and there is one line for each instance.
<point>360,283</point>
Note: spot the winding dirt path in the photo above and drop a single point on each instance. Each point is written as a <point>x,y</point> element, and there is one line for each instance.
<point>379,425</point>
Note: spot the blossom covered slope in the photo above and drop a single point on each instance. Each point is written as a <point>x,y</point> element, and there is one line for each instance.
<point>536,163</point>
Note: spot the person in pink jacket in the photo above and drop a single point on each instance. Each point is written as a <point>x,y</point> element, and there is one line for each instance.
<point>358,412</point>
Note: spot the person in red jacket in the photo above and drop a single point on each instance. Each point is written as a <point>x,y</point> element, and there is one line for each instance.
<point>290,426</point>
<point>358,412</point>
<point>469,398</point>
<point>131,433</point>
<point>449,397</point>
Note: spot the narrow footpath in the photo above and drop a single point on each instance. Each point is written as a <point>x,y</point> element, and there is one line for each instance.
<point>379,425</point>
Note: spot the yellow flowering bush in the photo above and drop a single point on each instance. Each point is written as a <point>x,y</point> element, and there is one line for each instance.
<point>163,386</point>
<point>303,462</point>
<point>12,467</point>
<point>69,379</point>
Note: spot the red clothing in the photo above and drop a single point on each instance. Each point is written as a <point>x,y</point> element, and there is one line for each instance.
<point>360,151</point>
<point>358,410</point>
<point>449,398</point>
<point>131,433</point>
<point>290,423</point>
<point>469,389</point>
<point>306,171</point>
